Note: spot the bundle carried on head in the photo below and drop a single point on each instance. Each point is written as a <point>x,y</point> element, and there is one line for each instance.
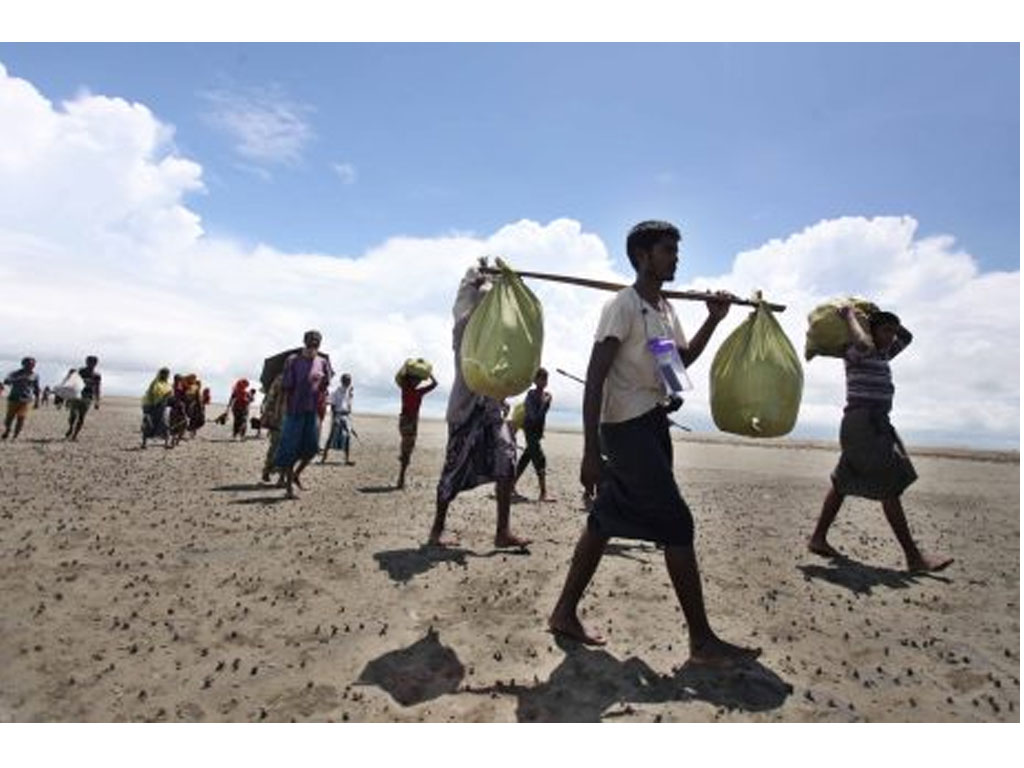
<point>827,332</point>
<point>416,367</point>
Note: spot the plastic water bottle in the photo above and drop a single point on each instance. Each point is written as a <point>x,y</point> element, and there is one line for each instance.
<point>670,366</point>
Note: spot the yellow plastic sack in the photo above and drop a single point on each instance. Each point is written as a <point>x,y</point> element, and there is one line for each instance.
<point>756,379</point>
<point>502,344</point>
<point>827,334</point>
<point>417,366</point>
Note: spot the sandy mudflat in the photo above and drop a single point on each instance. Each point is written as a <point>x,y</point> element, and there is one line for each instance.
<point>173,586</point>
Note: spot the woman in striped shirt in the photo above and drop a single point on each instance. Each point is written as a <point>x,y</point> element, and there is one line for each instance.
<point>874,464</point>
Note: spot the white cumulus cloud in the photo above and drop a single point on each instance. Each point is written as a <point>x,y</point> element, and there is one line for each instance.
<point>266,126</point>
<point>960,379</point>
<point>101,255</point>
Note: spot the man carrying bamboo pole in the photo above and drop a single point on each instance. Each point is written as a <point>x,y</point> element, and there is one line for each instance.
<point>625,417</point>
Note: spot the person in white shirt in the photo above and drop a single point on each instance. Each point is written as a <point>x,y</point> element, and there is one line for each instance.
<point>341,420</point>
<point>625,407</point>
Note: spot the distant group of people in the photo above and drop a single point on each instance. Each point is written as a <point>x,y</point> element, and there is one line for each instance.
<point>292,412</point>
<point>173,408</point>
<point>80,390</point>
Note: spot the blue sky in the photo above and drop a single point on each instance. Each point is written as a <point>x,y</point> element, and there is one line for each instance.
<point>248,192</point>
<point>739,143</point>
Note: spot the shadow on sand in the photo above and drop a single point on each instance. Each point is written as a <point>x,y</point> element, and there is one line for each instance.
<point>421,672</point>
<point>402,564</point>
<point>377,489</point>
<point>242,487</point>
<point>860,578</point>
<point>589,681</point>
<point>580,689</point>
<point>264,500</point>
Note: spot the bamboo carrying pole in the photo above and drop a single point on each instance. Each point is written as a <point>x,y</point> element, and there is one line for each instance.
<point>606,286</point>
<point>673,422</point>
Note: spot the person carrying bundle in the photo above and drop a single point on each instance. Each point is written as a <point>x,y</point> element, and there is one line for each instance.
<point>304,383</point>
<point>480,448</point>
<point>873,463</point>
<point>414,389</point>
<point>89,397</point>
<point>271,418</point>
<point>625,418</point>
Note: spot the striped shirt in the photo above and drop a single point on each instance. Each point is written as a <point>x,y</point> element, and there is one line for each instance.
<point>868,377</point>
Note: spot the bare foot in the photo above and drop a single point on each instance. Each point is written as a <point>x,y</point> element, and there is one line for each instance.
<point>929,564</point>
<point>509,539</point>
<point>570,627</point>
<point>718,653</point>
<point>823,548</point>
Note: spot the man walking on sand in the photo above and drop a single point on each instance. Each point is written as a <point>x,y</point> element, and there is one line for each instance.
<point>88,397</point>
<point>340,434</point>
<point>625,418</point>
<point>24,384</point>
<point>480,447</point>
<point>303,384</point>
<point>535,405</point>
<point>873,464</point>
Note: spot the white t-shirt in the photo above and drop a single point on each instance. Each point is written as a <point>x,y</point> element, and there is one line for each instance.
<point>633,386</point>
<point>341,400</point>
